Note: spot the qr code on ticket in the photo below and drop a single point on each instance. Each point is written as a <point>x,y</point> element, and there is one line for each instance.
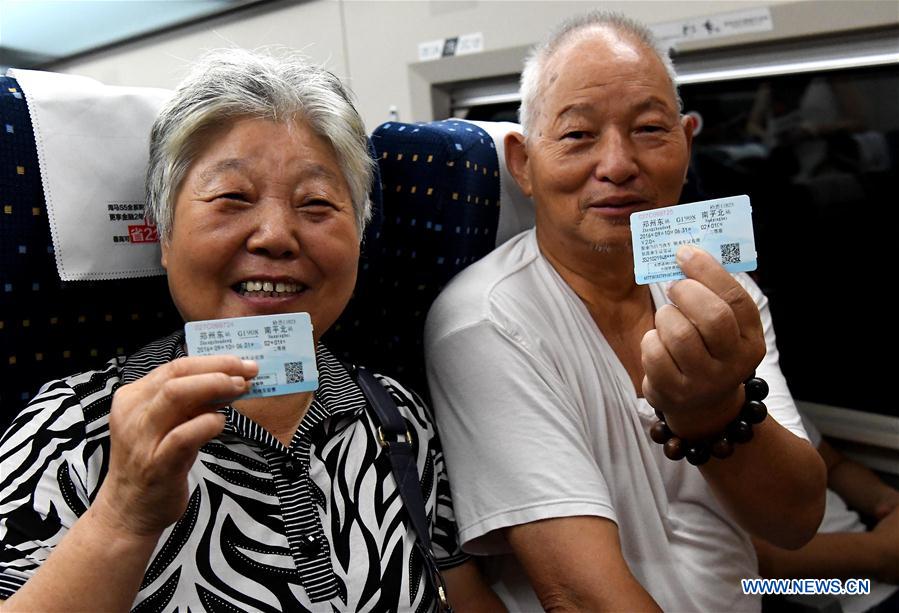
<point>730,253</point>
<point>294,372</point>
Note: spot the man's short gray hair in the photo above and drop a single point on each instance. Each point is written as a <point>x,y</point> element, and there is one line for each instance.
<point>532,77</point>
<point>230,84</point>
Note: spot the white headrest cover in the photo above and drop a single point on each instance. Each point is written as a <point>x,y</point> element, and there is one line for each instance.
<point>92,146</point>
<point>516,211</point>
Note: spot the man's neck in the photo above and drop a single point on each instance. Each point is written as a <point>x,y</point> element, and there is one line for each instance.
<point>603,277</point>
<point>622,310</point>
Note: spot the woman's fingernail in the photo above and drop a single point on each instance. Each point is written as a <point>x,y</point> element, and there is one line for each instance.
<point>248,363</point>
<point>239,382</point>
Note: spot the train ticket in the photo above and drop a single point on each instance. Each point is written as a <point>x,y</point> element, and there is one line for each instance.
<point>281,344</point>
<point>723,227</point>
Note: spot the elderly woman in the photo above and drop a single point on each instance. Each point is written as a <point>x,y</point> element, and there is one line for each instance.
<point>148,484</point>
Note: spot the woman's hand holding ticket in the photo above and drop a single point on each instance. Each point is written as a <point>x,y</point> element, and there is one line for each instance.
<point>157,425</point>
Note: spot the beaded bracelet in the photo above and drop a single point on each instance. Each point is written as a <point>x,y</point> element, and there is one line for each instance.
<point>720,446</point>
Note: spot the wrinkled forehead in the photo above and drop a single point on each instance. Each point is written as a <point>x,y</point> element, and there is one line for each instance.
<point>601,56</point>
<point>611,43</point>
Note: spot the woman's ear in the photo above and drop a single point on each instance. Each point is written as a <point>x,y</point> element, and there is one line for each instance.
<point>164,247</point>
<point>517,160</point>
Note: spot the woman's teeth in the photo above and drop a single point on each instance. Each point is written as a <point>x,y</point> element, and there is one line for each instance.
<point>267,288</point>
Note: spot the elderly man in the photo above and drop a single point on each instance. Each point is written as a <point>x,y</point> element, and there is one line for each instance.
<point>549,365</point>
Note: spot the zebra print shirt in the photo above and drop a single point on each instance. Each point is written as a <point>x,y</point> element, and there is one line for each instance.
<point>318,526</point>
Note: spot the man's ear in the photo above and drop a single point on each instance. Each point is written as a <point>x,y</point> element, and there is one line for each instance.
<point>689,123</point>
<point>517,161</point>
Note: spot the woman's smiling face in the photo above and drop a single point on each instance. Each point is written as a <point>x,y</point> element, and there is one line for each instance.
<point>263,224</point>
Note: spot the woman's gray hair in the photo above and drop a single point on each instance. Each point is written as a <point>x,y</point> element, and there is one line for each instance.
<point>229,84</point>
<point>532,77</point>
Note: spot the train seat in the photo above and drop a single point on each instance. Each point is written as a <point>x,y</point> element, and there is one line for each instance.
<point>48,327</point>
<point>448,201</point>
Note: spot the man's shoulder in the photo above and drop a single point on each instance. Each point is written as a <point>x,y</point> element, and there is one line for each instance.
<point>472,296</point>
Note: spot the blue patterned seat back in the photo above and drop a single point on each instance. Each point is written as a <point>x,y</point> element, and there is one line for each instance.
<point>50,328</point>
<point>441,208</point>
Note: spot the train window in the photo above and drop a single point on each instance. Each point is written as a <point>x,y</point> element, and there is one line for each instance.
<point>819,156</point>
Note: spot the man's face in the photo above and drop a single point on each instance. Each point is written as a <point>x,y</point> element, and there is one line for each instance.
<point>608,140</point>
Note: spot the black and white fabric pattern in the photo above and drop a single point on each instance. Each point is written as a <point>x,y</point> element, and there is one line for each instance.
<point>316,526</point>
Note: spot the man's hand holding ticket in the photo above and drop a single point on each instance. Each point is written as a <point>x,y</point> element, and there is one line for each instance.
<point>281,345</point>
<point>722,227</point>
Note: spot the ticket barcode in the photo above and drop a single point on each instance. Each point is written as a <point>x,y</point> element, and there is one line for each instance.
<point>294,372</point>
<point>730,253</point>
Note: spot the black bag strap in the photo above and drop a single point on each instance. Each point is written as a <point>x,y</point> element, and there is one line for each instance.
<point>396,439</point>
